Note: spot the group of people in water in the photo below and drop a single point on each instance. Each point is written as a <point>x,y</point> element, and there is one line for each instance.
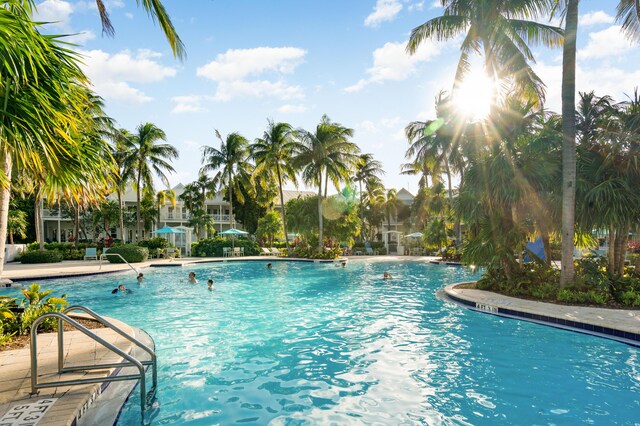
<point>191,279</point>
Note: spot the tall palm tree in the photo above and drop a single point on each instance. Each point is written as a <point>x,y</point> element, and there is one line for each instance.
<point>147,157</point>
<point>327,151</point>
<point>501,30</point>
<point>368,171</point>
<point>156,11</point>
<point>43,92</point>
<point>125,172</point>
<point>273,155</point>
<point>163,197</point>
<point>231,163</point>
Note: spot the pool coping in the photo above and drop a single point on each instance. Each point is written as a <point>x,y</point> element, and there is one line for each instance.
<point>616,324</point>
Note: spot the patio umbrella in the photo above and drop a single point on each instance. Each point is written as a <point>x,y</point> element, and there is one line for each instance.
<point>415,235</point>
<point>233,232</point>
<point>168,230</point>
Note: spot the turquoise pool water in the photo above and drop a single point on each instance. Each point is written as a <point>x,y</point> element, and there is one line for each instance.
<point>314,344</point>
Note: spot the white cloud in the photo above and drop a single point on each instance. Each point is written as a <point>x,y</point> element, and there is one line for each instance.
<point>595,18</point>
<point>385,10</point>
<point>292,108</point>
<point>129,15</point>
<point>436,5</point>
<point>609,42</point>
<point>187,103</point>
<point>228,90</point>
<point>58,12</point>
<point>236,64</point>
<point>419,6</point>
<point>392,62</point>
<point>111,74</point>
<point>232,69</point>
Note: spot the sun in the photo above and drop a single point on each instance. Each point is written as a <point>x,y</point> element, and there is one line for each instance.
<point>473,95</point>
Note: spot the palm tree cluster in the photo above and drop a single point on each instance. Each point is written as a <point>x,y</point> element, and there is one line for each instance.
<point>502,30</point>
<point>260,170</point>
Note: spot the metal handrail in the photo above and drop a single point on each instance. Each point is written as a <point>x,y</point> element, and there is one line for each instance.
<point>133,362</point>
<point>120,256</point>
<point>153,361</point>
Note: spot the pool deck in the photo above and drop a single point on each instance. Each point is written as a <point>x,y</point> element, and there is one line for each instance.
<point>72,402</point>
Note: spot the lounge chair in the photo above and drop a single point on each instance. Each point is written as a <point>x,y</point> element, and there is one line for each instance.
<point>275,251</point>
<point>226,251</point>
<point>103,256</point>
<point>91,253</point>
<point>170,253</point>
<point>265,252</point>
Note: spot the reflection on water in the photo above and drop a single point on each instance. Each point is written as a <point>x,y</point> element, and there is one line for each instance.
<point>310,343</point>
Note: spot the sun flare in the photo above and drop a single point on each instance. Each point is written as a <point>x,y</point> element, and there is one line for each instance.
<point>473,96</point>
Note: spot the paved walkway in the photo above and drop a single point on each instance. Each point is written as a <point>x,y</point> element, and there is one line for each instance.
<point>70,401</point>
<point>600,319</point>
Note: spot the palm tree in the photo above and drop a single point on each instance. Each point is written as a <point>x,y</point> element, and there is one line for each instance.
<point>125,172</point>
<point>231,163</point>
<point>163,197</point>
<point>146,157</point>
<point>273,155</point>
<point>326,152</point>
<point>156,10</point>
<point>193,198</point>
<point>368,171</point>
<point>500,30</point>
<point>390,205</point>
<point>17,224</point>
<point>43,91</point>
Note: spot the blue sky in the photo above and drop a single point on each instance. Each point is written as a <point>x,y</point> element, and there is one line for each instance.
<point>293,61</point>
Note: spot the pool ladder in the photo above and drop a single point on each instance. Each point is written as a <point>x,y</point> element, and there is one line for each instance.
<point>146,398</point>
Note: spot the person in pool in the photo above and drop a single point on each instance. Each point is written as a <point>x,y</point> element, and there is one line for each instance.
<point>268,266</point>
<point>386,275</point>
<point>122,289</point>
<point>192,278</point>
<point>140,278</point>
<point>210,285</point>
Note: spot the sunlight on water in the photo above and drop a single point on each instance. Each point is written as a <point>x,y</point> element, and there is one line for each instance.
<point>310,343</point>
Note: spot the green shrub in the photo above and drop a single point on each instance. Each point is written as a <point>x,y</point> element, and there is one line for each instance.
<point>630,298</point>
<point>591,297</point>
<point>154,243</point>
<point>68,250</point>
<point>130,252</point>
<point>212,247</point>
<point>48,256</point>
<point>451,254</point>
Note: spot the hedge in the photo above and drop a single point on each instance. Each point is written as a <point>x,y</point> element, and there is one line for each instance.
<point>130,252</point>
<point>212,247</point>
<point>47,256</point>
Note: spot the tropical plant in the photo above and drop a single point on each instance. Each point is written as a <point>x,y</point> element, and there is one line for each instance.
<point>163,197</point>
<point>369,172</point>
<point>145,157</point>
<point>17,224</point>
<point>270,227</point>
<point>273,155</point>
<point>156,11</point>
<point>326,154</point>
<point>131,253</point>
<point>36,303</point>
<point>230,161</point>
<point>500,30</point>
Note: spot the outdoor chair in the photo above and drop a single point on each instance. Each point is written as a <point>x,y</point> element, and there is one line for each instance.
<point>236,251</point>
<point>91,253</point>
<point>265,252</point>
<point>170,253</point>
<point>275,251</point>
<point>226,251</point>
<point>103,256</point>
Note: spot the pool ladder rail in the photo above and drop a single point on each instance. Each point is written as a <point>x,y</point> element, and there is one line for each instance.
<point>104,256</point>
<point>146,398</point>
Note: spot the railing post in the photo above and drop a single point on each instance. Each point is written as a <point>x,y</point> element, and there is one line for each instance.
<point>60,345</point>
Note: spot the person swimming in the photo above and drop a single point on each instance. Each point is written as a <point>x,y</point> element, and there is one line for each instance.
<point>386,275</point>
<point>192,278</point>
<point>122,289</point>
<point>140,278</point>
<point>268,265</point>
<point>210,285</point>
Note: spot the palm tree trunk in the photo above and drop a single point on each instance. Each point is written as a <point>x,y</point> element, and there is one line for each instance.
<point>230,188</point>
<point>137,237</point>
<point>362,232</point>
<point>623,237</point>
<point>284,216</point>
<point>448,171</point>
<point>77,225</point>
<point>569,141</point>
<point>320,215</point>
<point>39,221</point>
<point>326,185</point>
<point>5,196</point>
<point>611,259</point>
<point>121,209</point>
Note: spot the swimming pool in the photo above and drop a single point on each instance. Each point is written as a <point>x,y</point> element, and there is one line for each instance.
<point>311,343</point>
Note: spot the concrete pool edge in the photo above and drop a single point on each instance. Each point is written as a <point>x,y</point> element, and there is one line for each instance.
<point>615,324</point>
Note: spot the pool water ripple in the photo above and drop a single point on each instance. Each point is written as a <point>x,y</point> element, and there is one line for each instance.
<point>314,344</point>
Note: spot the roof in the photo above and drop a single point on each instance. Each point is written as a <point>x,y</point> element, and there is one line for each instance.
<point>292,194</point>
